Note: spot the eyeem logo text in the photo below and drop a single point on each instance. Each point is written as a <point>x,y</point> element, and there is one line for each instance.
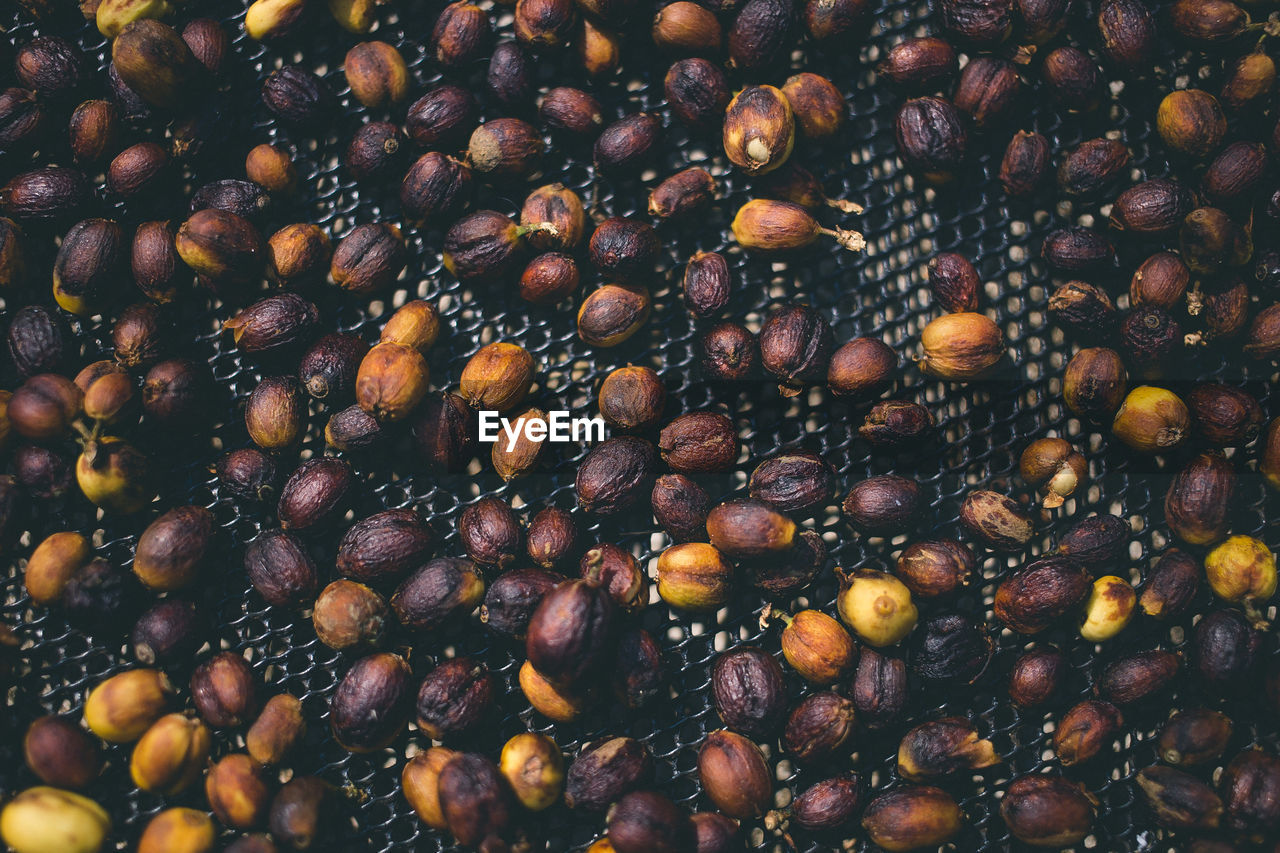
<point>560,427</point>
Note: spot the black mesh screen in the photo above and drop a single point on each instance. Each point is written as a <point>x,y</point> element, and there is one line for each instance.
<point>983,426</point>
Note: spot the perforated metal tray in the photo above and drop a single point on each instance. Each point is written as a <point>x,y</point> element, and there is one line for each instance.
<point>983,426</point>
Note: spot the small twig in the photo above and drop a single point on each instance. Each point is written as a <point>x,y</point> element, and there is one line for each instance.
<point>851,240</point>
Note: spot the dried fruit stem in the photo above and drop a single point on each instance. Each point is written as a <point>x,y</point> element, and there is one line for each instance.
<point>851,240</point>
<point>1257,618</point>
<point>88,436</point>
<point>769,614</point>
<point>540,228</point>
<point>595,563</point>
<point>844,205</point>
<point>1195,300</point>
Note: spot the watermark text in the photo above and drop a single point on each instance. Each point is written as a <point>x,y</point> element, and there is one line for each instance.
<point>558,427</point>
